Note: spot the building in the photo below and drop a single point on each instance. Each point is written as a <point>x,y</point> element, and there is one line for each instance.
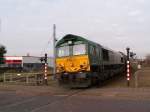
<point>26,63</point>
<point>13,61</point>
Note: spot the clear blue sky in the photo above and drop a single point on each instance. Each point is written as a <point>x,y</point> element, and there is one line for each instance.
<point>26,25</point>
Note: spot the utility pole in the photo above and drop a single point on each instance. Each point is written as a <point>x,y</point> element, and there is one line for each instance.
<point>0,24</point>
<point>54,50</point>
<point>128,66</point>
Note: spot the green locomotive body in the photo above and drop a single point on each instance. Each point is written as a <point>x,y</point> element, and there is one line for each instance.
<point>82,63</point>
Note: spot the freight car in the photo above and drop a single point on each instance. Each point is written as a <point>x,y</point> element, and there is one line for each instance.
<point>82,63</point>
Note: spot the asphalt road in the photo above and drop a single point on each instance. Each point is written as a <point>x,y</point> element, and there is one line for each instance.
<point>11,101</point>
<point>113,96</point>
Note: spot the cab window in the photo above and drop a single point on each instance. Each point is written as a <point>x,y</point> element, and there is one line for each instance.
<point>63,51</point>
<point>79,49</point>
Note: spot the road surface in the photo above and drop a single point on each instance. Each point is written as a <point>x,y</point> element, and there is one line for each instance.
<point>25,99</point>
<point>113,96</point>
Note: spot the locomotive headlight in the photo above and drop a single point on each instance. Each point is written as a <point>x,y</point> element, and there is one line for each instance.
<point>60,68</point>
<point>57,70</point>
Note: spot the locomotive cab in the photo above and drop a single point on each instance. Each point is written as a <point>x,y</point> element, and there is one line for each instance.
<point>72,61</point>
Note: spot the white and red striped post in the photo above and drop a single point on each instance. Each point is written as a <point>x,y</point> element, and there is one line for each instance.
<point>45,70</point>
<point>128,73</point>
<point>128,67</point>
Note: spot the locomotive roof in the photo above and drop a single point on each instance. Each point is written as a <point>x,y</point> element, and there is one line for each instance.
<point>75,38</point>
<point>79,38</point>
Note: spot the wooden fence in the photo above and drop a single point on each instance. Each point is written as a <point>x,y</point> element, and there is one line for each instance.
<point>24,78</point>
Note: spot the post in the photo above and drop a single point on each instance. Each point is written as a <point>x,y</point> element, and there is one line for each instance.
<point>136,79</point>
<point>27,78</point>
<point>45,70</point>
<point>137,75</point>
<point>4,80</point>
<point>36,79</point>
<point>11,78</point>
<point>128,66</point>
<point>54,50</point>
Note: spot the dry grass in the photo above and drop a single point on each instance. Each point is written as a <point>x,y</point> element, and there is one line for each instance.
<point>144,77</point>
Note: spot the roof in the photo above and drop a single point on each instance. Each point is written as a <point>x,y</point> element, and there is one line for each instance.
<point>13,57</point>
<point>79,38</point>
<point>73,37</point>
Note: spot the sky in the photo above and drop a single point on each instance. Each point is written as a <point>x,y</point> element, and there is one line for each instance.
<point>26,26</point>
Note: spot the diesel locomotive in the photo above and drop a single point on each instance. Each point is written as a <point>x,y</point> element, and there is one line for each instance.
<point>82,63</point>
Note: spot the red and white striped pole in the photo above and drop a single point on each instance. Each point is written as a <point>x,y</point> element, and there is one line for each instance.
<point>128,73</point>
<point>45,70</point>
<point>128,67</point>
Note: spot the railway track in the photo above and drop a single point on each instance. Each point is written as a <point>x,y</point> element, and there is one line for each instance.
<point>63,99</point>
<point>36,102</point>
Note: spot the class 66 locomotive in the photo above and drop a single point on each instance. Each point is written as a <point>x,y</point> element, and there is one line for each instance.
<point>82,63</point>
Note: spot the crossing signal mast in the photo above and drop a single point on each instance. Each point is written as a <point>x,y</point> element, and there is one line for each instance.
<point>129,55</point>
<point>45,70</point>
<point>128,66</point>
<point>54,50</point>
<point>54,58</point>
<point>44,59</point>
